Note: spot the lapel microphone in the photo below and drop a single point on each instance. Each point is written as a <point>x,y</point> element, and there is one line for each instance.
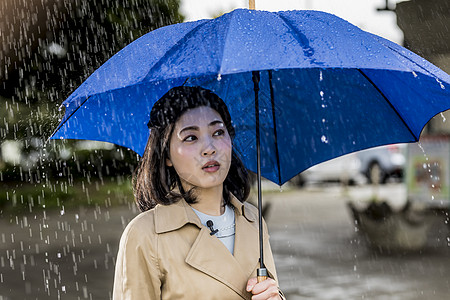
<point>210,225</point>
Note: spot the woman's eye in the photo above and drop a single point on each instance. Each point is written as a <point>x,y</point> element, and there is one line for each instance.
<point>190,138</point>
<point>219,132</point>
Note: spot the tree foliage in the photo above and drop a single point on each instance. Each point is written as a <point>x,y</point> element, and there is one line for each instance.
<point>49,47</point>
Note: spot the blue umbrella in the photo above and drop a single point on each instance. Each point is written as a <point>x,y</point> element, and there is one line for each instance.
<point>323,87</point>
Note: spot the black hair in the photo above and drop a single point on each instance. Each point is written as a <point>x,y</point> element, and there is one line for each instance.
<point>153,181</point>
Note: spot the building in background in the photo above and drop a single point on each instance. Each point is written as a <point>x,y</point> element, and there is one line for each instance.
<point>426,28</point>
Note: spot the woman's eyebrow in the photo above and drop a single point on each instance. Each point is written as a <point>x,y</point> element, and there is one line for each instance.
<point>188,128</point>
<point>213,123</point>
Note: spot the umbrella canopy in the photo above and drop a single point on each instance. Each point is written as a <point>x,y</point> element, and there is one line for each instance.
<point>327,88</point>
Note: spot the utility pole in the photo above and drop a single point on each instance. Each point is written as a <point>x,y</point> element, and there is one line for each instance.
<point>386,7</point>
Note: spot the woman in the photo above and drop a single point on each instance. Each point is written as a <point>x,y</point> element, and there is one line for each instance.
<point>197,238</point>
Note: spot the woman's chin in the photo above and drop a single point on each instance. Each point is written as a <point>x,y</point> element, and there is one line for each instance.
<point>208,182</point>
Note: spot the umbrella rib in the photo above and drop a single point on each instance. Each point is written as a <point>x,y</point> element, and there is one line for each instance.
<point>272,100</point>
<point>308,51</point>
<point>174,47</point>
<point>225,42</point>
<point>389,102</point>
<point>60,125</point>
<point>409,59</point>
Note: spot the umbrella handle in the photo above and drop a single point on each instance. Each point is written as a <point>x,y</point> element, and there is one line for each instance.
<point>261,274</point>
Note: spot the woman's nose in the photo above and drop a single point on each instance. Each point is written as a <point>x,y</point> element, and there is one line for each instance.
<point>209,150</point>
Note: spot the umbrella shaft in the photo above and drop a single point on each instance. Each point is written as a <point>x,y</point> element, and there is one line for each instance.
<point>256,78</point>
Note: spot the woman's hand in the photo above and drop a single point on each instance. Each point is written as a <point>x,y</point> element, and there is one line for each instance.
<point>264,290</point>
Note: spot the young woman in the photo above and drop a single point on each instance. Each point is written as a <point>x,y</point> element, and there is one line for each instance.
<point>197,238</point>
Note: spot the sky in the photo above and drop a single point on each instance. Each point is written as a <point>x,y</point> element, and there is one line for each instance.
<point>362,13</point>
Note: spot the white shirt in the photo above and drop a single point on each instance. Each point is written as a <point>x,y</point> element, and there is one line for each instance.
<point>225,225</point>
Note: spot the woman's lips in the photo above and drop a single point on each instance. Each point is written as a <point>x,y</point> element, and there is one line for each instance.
<point>211,166</point>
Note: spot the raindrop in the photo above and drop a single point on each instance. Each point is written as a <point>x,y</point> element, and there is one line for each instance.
<point>440,83</point>
<point>85,292</point>
<point>443,118</point>
<point>424,153</point>
<point>219,77</point>
<point>324,139</point>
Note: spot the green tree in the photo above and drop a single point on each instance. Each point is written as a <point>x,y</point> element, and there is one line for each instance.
<point>49,48</point>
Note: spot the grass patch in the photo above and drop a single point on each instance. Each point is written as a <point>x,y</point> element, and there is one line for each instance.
<point>22,198</point>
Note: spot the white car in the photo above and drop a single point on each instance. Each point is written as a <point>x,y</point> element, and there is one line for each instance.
<point>381,163</point>
<point>345,169</point>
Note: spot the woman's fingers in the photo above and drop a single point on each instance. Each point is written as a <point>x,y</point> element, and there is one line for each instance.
<point>251,283</point>
<point>262,286</point>
<point>264,290</point>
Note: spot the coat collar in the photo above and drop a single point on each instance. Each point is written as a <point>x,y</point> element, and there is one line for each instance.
<point>208,254</point>
<point>174,216</point>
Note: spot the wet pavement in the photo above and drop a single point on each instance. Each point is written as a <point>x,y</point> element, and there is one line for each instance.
<point>319,254</point>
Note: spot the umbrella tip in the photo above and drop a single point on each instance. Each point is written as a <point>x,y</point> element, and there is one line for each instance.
<point>251,4</point>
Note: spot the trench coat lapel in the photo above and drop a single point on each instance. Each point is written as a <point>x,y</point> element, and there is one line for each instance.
<point>246,243</point>
<point>211,257</point>
<point>208,254</point>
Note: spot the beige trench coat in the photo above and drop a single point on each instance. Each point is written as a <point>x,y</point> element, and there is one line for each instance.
<point>166,253</point>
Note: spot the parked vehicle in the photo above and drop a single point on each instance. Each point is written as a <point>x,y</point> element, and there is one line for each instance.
<point>381,163</point>
<point>345,169</point>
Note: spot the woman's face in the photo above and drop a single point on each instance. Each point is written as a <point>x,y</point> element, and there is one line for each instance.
<point>200,148</point>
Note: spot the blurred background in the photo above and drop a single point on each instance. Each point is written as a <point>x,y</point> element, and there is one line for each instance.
<point>369,225</point>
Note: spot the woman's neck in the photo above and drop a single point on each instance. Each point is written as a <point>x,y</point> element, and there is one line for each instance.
<point>209,201</point>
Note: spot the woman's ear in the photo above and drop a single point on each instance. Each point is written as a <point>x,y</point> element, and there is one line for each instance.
<point>169,162</point>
